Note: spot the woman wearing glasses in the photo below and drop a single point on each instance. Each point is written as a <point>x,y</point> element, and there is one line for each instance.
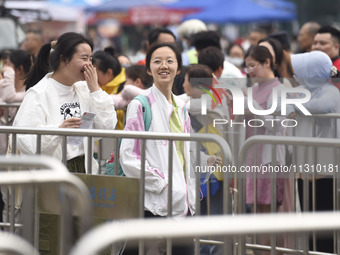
<point>260,68</point>
<point>163,63</point>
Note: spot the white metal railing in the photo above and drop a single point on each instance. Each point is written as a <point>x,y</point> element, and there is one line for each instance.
<point>226,225</point>
<point>7,107</point>
<point>90,134</point>
<point>11,243</point>
<point>51,171</point>
<point>240,200</point>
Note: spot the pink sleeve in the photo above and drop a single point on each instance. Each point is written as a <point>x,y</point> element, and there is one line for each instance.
<point>131,91</point>
<point>8,93</point>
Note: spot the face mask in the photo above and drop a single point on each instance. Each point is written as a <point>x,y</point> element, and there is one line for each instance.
<point>235,61</point>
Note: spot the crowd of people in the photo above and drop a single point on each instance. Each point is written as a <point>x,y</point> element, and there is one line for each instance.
<point>60,81</point>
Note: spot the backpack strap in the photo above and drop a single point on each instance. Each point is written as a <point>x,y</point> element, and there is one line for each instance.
<point>147,117</point>
<point>147,113</point>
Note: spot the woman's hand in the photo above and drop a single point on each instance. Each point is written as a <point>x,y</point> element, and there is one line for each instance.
<point>214,161</point>
<point>71,123</point>
<point>7,67</point>
<point>91,77</point>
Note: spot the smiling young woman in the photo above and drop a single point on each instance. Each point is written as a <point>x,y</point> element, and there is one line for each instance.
<point>59,98</point>
<point>163,63</point>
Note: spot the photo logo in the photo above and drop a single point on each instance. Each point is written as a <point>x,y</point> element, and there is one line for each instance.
<point>280,99</point>
<point>209,93</point>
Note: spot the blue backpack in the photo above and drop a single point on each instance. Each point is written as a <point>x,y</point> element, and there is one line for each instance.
<point>147,118</point>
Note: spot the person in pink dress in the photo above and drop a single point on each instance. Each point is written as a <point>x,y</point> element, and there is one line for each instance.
<point>261,71</point>
<point>260,68</point>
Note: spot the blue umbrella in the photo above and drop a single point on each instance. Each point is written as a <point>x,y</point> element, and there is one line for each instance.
<point>243,11</point>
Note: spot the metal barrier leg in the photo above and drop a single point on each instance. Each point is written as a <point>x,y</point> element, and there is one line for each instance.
<point>28,206</point>
<point>12,208</point>
<point>67,226</point>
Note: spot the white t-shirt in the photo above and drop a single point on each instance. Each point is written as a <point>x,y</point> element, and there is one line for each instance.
<point>69,107</point>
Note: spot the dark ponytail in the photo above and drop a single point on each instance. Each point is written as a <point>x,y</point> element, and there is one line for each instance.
<point>40,68</point>
<point>277,73</point>
<point>105,59</point>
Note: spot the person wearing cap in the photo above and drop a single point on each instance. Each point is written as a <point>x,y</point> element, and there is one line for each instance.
<point>185,32</point>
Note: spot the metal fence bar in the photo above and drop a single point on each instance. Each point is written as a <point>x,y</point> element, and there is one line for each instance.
<point>170,175</point>
<point>7,106</point>
<point>198,194</point>
<point>281,249</point>
<point>285,140</point>
<point>226,153</point>
<point>225,225</point>
<point>14,244</point>
<point>59,175</point>
<point>116,155</point>
<point>302,141</point>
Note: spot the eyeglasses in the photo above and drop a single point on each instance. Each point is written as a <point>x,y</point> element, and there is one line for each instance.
<point>250,69</point>
<point>166,62</point>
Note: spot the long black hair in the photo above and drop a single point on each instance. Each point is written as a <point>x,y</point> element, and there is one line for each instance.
<point>22,58</point>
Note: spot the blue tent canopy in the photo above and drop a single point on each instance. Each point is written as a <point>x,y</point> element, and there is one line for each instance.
<point>278,4</point>
<point>204,4</point>
<point>243,11</point>
<point>121,5</point>
<point>191,4</point>
<point>79,3</point>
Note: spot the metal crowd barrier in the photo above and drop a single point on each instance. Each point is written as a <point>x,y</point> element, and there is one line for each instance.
<point>7,107</point>
<point>303,193</point>
<point>50,171</point>
<point>240,200</point>
<point>306,154</point>
<point>230,134</point>
<point>227,226</point>
<point>90,134</point>
<point>11,243</point>
<point>6,119</point>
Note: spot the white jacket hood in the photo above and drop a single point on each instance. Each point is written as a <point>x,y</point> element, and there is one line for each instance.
<point>312,69</point>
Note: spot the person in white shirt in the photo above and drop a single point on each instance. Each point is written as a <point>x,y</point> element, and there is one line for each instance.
<point>59,98</point>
